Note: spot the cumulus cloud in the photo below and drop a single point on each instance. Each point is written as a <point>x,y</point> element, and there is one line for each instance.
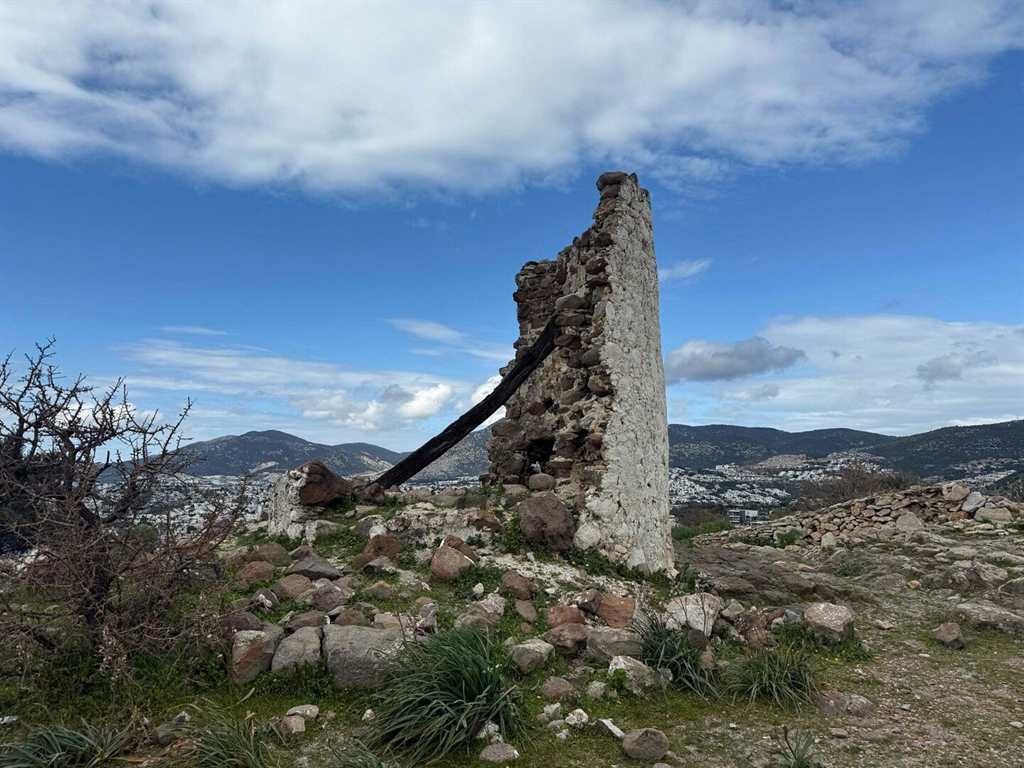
<point>684,270</point>
<point>471,96</point>
<point>325,392</point>
<point>896,374</point>
<point>707,361</point>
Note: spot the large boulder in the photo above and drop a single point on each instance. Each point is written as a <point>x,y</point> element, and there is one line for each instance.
<point>300,648</point>
<point>547,521</point>
<point>252,652</point>
<point>448,563</point>
<point>356,656</point>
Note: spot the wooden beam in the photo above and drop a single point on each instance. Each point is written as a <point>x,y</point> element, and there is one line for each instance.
<point>440,444</point>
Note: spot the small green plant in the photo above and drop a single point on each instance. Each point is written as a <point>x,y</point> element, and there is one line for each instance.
<point>60,747</point>
<point>688,532</point>
<point>355,754</point>
<point>665,648</point>
<point>440,693</point>
<point>851,567</point>
<point>219,739</point>
<point>792,536</point>
<point>782,676</point>
<point>798,750</point>
<point>797,636</point>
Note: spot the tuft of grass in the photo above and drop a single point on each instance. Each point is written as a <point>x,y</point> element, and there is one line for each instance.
<point>355,754</point>
<point>782,676</point>
<point>799,637</point>
<point>798,750</point>
<point>792,536</point>
<point>439,694</point>
<point>89,746</point>
<point>222,740</point>
<point>665,648</point>
<point>309,682</point>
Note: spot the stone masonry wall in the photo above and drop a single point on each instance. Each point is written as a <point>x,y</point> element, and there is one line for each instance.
<point>587,432</point>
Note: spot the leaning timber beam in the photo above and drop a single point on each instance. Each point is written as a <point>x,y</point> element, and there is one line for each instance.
<point>440,444</point>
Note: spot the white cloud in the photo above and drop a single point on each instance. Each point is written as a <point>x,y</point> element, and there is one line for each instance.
<point>427,401</point>
<point>429,330</point>
<point>884,378</point>
<point>698,360</point>
<point>192,330</point>
<point>684,270</point>
<point>483,391</point>
<point>471,96</point>
<point>361,400</point>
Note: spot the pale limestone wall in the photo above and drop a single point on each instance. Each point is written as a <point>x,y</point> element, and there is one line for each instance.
<point>591,421</point>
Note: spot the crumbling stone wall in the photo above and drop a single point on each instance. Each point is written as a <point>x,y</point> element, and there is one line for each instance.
<point>587,432</point>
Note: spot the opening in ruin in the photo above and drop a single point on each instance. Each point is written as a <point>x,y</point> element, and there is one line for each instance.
<point>538,452</point>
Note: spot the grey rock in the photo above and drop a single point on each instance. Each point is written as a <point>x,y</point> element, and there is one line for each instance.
<point>604,643</point>
<point>557,689</point>
<point>645,744</point>
<point>357,656</point>
<point>531,654</point>
<point>830,622</point>
<point>639,678</point>
<point>949,635</point>
<point>546,520</point>
<point>252,652</point>
<point>314,567</point>
<point>298,649</point>
<point>499,752</point>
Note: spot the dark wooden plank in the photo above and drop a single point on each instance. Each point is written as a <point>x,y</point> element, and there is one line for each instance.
<point>441,443</point>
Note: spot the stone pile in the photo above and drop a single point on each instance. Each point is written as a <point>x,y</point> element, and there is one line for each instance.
<point>949,505</point>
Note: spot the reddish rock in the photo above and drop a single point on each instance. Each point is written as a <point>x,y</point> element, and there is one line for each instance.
<point>381,545</point>
<point>484,520</point>
<point>615,610</point>
<point>565,614</point>
<point>252,573</point>
<point>546,520</point>
<point>456,543</point>
<point>448,563</point>
<point>320,485</point>
<point>514,584</point>
<point>291,586</point>
<point>354,616</point>
<point>568,639</point>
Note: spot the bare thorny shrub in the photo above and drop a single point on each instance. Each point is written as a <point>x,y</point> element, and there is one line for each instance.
<point>104,575</point>
<point>854,481</point>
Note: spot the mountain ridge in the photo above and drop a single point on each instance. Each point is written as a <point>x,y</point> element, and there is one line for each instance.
<point>933,453</point>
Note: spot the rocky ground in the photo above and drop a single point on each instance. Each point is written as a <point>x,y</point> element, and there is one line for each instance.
<point>905,699</point>
<point>872,580</point>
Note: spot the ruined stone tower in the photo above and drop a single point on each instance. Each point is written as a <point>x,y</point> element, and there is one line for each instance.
<point>587,432</point>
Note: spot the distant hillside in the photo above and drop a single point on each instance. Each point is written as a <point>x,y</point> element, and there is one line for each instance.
<point>706,446</point>
<point>938,452</point>
<point>942,452</point>
<point>275,451</point>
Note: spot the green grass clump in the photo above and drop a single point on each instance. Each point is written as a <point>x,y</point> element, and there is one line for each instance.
<point>355,754</point>
<point>218,739</point>
<point>797,750</point>
<point>789,537</point>
<point>688,532</point>
<point>797,636</point>
<point>439,694</point>
<point>665,648</point>
<point>60,747</point>
<point>782,676</point>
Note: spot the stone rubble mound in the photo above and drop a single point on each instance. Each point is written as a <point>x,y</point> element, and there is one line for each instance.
<point>950,505</point>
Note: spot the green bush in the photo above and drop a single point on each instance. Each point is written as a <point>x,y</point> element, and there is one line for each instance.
<point>441,692</point>
<point>60,747</point>
<point>782,676</point>
<point>792,536</point>
<point>797,636</point>
<point>665,648</point>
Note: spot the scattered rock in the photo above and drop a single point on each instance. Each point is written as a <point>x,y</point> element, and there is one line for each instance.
<point>356,656</point>
<point>291,586</point>
<point>646,744</point>
<point>949,635</point>
<point>546,520</point>
<point>499,752</point>
<point>830,622</point>
<point>293,725</point>
<point>305,711</point>
<point>326,596</point>
<point>616,610</point>
<point>568,639</point>
<point>448,563</point>
<point>483,614</point>
<point>565,614</point>
<point>698,611</point>
<point>557,689</point>
<point>314,567</point>
<point>514,584</point>
<point>531,654</point>
<point>380,590</point>
<point>639,678</point>
<point>255,572</point>
<point>908,522</point>
<point>306,619</point>
<point>577,718</point>
<point>526,610</point>
<point>833,702</point>
<point>604,643</point>
<point>596,690</point>
<point>252,652</point>
<point>300,648</point>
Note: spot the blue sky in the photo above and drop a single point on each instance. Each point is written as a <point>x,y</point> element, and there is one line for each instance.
<point>325,242</point>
